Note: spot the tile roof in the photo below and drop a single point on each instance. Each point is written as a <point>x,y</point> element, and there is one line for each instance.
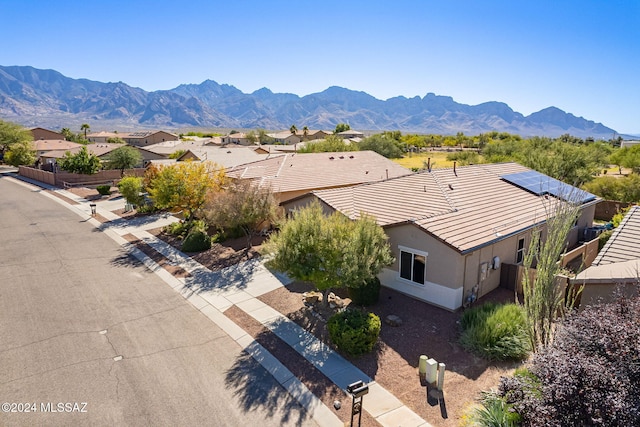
<point>54,144</point>
<point>309,171</point>
<point>624,243</point>
<point>105,134</point>
<point>466,209</point>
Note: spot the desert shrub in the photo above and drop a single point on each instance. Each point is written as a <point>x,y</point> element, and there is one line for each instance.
<point>464,157</point>
<point>494,411</point>
<point>495,332</point>
<point>590,374</point>
<point>354,332</point>
<point>197,240</point>
<point>366,295</point>
<point>179,228</point>
<point>104,190</point>
<point>182,228</point>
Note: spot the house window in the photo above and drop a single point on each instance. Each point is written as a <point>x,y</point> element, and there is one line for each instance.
<point>413,265</point>
<point>520,251</point>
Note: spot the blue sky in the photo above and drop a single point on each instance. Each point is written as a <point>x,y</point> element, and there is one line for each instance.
<point>580,56</point>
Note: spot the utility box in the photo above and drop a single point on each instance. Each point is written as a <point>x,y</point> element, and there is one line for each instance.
<point>432,371</point>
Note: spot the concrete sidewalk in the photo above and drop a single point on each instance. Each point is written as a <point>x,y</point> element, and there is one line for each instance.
<point>214,292</point>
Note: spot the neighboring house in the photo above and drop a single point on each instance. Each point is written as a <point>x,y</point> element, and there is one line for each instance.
<point>226,155</point>
<point>350,134</point>
<point>285,137</point>
<point>617,264</point>
<point>292,175</point>
<point>133,138</point>
<point>102,151</point>
<point>148,137</point>
<point>312,135</point>
<point>42,133</point>
<point>44,148</point>
<point>278,148</point>
<point>452,229</point>
<point>102,137</point>
<point>236,138</point>
<point>629,143</point>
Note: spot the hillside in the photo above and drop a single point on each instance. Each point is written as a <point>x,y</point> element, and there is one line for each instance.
<point>35,97</point>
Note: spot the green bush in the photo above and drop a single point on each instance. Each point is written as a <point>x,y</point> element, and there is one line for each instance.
<point>354,332</point>
<point>182,228</point>
<point>495,332</point>
<point>464,157</point>
<point>196,241</point>
<point>366,295</point>
<point>104,190</point>
<point>130,187</point>
<point>494,411</point>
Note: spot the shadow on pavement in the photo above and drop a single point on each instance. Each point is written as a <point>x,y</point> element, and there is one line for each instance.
<point>255,388</point>
<point>237,276</point>
<point>126,259</point>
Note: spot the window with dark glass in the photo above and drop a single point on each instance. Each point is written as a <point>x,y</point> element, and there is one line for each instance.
<point>413,266</point>
<point>520,251</point>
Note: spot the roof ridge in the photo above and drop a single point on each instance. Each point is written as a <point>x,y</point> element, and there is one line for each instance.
<point>449,200</point>
<point>286,157</point>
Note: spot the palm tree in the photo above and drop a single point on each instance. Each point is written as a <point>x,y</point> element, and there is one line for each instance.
<point>293,129</point>
<point>85,127</point>
<point>305,132</point>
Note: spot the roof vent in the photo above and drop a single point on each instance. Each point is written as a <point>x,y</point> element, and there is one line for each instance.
<point>450,187</point>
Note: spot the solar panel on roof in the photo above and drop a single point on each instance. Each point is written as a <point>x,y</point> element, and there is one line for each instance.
<point>540,184</point>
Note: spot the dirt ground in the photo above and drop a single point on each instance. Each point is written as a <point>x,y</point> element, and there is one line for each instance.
<point>425,330</point>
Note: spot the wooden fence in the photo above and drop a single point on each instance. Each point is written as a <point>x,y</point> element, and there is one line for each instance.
<point>67,179</point>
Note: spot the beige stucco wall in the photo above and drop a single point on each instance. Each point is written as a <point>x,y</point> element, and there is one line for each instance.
<point>444,274</point>
<point>592,292</point>
<point>450,276</point>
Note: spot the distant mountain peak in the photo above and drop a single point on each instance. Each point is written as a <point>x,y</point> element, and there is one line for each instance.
<point>47,98</point>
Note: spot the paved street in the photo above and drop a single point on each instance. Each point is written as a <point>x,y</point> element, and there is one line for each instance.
<point>81,321</point>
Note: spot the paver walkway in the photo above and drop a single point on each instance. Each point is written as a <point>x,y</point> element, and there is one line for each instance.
<point>214,292</point>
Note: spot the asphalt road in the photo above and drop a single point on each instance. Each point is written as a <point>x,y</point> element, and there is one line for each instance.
<point>83,324</point>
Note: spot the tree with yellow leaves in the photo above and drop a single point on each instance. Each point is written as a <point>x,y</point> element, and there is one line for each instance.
<point>185,185</point>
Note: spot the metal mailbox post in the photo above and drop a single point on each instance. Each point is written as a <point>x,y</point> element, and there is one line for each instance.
<point>357,390</point>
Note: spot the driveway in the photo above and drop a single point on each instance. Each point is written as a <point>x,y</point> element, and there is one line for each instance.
<point>83,324</point>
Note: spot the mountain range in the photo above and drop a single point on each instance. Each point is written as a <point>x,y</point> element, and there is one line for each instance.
<point>46,98</point>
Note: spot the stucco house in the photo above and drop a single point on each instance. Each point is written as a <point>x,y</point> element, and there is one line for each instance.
<point>285,137</point>
<point>50,151</point>
<point>103,136</point>
<point>42,133</point>
<point>295,174</point>
<point>45,147</point>
<point>350,134</point>
<point>312,134</point>
<point>452,229</point>
<point>617,264</point>
<point>138,138</point>
<point>148,137</point>
<point>236,138</point>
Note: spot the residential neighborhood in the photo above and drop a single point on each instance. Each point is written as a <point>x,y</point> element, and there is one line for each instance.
<point>285,237</point>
